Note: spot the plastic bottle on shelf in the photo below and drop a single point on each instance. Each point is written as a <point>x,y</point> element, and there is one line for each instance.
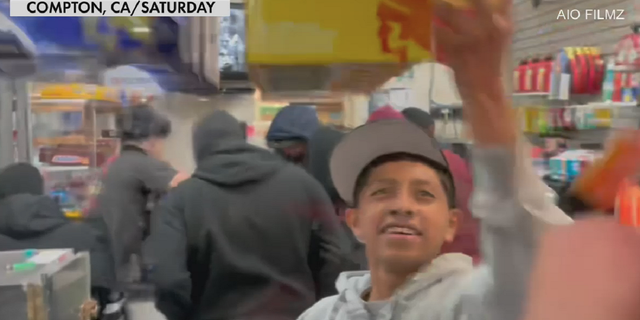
<point>607,85</point>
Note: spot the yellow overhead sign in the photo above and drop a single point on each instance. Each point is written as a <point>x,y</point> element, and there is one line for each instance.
<point>77,92</point>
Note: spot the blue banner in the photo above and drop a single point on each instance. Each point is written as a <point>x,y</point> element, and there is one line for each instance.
<point>55,35</point>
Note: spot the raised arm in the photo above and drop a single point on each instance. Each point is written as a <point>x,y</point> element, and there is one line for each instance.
<point>509,199</point>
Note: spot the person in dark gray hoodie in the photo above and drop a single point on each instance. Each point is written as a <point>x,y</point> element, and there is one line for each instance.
<point>29,219</point>
<point>321,145</point>
<point>232,242</point>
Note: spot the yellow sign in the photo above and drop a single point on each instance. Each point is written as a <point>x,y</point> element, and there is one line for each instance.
<point>77,92</point>
<point>294,32</point>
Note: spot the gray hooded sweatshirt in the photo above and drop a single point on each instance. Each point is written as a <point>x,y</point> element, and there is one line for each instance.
<point>513,206</point>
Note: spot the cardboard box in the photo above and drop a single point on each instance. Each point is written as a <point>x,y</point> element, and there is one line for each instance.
<point>324,46</point>
<point>44,284</point>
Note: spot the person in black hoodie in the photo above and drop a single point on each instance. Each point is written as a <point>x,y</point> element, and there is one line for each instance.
<point>321,146</point>
<point>291,130</point>
<point>29,219</point>
<point>233,241</point>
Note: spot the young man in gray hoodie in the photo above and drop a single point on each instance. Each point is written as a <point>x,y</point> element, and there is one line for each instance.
<point>401,195</point>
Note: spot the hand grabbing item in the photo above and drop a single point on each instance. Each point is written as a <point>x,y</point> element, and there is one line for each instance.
<point>598,185</point>
<point>474,42</point>
<point>587,271</point>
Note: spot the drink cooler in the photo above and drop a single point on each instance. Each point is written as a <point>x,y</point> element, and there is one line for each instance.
<point>55,291</point>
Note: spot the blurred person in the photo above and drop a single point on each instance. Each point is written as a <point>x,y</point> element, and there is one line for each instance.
<point>233,241</point>
<point>608,288</point>
<point>29,219</point>
<point>290,131</point>
<point>321,146</point>
<point>384,113</point>
<point>402,198</point>
<point>466,240</point>
<point>132,183</point>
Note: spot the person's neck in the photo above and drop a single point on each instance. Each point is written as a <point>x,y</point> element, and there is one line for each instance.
<point>384,284</point>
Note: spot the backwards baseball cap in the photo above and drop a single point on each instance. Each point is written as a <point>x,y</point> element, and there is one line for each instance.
<point>368,142</point>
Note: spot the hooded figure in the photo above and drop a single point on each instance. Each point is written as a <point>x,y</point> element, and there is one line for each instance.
<point>290,131</point>
<point>321,146</point>
<point>31,220</point>
<point>233,241</point>
<point>466,240</point>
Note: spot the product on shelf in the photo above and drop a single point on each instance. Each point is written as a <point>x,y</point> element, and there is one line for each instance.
<point>70,188</point>
<point>69,121</point>
<point>570,164</point>
<point>543,79</point>
<point>559,70</point>
<point>608,81</point>
<point>582,66</point>
<point>582,74</point>
<point>596,72</point>
<point>517,82</point>
<point>528,76</point>
<point>552,120</point>
<point>627,52</point>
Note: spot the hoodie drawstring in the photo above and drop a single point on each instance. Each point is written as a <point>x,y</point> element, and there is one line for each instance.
<point>342,299</point>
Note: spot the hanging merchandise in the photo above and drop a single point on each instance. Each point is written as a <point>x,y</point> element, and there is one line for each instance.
<point>607,85</point>
<point>627,51</point>
<point>581,79</point>
<point>596,72</point>
<point>577,71</point>
<point>561,76</point>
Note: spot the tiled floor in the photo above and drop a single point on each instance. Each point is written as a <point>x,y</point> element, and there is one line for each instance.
<point>144,310</point>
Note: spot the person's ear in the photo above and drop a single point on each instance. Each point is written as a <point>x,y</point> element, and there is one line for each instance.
<point>352,217</point>
<point>454,219</point>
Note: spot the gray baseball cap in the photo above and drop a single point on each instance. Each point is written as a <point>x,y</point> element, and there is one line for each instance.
<point>366,143</point>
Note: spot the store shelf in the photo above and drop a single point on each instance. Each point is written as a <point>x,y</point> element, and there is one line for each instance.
<point>630,69</point>
<point>531,94</point>
<point>612,104</point>
<point>62,168</point>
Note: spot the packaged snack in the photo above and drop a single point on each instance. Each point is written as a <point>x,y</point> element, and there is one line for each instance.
<point>598,184</point>
<point>323,48</point>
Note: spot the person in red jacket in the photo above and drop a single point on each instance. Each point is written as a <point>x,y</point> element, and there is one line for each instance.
<point>466,240</point>
<point>385,113</point>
